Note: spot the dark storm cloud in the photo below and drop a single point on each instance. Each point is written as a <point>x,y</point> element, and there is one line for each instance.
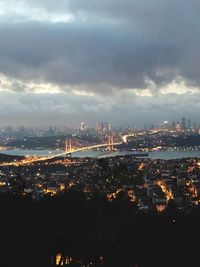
<point>101,47</point>
<point>83,54</point>
<point>119,44</point>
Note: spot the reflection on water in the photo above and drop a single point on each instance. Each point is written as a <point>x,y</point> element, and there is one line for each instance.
<point>174,154</point>
<point>27,152</point>
<point>98,154</point>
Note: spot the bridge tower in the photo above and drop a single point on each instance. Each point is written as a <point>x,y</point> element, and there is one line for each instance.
<point>110,142</point>
<point>68,145</point>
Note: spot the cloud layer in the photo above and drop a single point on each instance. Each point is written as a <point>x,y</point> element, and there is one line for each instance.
<point>99,48</point>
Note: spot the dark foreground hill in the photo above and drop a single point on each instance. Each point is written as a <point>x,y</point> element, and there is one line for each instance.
<point>32,233</point>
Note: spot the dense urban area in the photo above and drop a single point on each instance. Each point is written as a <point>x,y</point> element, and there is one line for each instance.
<point>99,133</point>
<point>107,211</point>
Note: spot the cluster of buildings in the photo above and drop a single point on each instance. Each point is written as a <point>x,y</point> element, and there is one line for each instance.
<point>147,183</point>
<point>183,124</point>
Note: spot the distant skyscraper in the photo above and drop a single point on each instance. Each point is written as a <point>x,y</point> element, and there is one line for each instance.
<point>103,127</point>
<point>183,123</point>
<point>165,125</point>
<point>178,126</point>
<point>21,129</point>
<point>98,127</point>
<point>189,124</point>
<point>106,126</point>
<point>50,131</point>
<point>82,126</point>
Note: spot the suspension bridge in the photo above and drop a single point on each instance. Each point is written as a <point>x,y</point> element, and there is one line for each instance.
<point>70,149</point>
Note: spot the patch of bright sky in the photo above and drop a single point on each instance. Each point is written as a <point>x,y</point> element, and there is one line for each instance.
<point>83,93</point>
<point>143,92</point>
<point>16,86</point>
<point>43,88</point>
<point>179,88</point>
<point>20,12</point>
<point>5,83</point>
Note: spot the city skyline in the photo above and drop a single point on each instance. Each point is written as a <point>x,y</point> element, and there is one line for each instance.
<point>99,133</point>
<point>128,62</point>
<point>183,122</point>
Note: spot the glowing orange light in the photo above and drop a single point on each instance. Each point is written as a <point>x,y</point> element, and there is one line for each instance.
<point>168,193</point>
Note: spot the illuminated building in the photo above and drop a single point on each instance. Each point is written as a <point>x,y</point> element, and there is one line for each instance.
<point>178,126</point>
<point>165,125</point>
<point>82,128</point>
<point>103,127</point>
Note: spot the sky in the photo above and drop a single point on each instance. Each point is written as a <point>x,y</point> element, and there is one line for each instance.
<point>130,62</point>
